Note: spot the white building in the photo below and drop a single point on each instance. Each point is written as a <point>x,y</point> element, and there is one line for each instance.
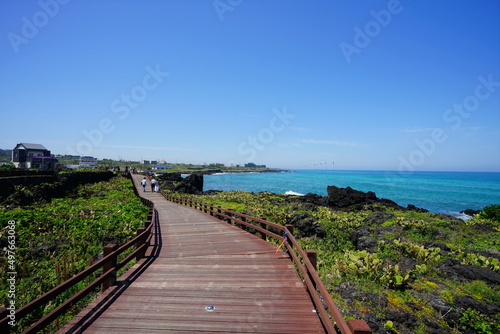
<point>88,162</point>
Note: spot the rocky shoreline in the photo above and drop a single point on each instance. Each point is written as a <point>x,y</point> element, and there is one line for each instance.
<point>445,272</point>
<point>337,198</point>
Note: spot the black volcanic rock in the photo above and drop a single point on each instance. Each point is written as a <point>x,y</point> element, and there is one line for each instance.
<point>193,184</point>
<point>455,270</point>
<point>306,226</point>
<point>311,198</point>
<point>412,207</point>
<point>351,199</point>
<point>470,212</point>
<point>175,177</point>
<point>378,218</point>
<point>346,198</point>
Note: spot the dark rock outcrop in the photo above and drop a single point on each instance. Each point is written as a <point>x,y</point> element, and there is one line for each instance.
<point>378,218</point>
<point>477,273</point>
<point>311,198</point>
<point>348,198</point>
<point>470,212</point>
<point>412,207</point>
<point>351,199</point>
<point>455,270</point>
<point>342,198</point>
<point>193,184</point>
<point>306,226</point>
<point>174,177</point>
<point>362,240</point>
<point>467,302</point>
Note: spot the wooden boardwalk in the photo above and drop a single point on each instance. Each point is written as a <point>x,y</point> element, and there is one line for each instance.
<point>202,276</point>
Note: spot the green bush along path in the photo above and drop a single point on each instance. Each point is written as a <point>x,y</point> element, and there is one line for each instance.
<point>57,239</point>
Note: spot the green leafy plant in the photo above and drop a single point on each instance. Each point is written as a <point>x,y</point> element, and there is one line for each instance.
<point>394,277</point>
<point>480,323</point>
<point>420,253</point>
<point>478,260</point>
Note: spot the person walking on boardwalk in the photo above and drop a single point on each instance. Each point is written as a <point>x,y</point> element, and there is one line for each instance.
<point>144,183</point>
<point>153,184</point>
<point>157,186</point>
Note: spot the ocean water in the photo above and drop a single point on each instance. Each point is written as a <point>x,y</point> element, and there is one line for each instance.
<point>438,192</point>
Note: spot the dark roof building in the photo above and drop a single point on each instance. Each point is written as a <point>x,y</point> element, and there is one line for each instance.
<point>26,155</point>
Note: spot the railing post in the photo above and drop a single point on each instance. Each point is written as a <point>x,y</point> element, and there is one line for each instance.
<point>312,256</point>
<point>359,327</point>
<point>4,326</point>
<point>290,228</point>
<point>262,234</point>
<point>108,249</point>
<point>139,243</point>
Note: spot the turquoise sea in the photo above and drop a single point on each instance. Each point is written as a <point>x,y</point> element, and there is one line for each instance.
<point>439,192</point>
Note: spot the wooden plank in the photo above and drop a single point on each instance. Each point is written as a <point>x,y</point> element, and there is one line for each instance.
<point>204,261</point>
<point>248,325</point>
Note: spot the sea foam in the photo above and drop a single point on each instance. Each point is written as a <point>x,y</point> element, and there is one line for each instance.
<point>289,192</point>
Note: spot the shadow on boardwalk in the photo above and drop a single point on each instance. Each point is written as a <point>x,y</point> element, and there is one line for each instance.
<point>97,308</point>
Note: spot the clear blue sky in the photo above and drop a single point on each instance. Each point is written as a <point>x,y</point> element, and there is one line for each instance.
<point>381,85</point>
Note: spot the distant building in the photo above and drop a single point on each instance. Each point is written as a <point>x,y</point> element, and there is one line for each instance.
<point>26,155</point>
<point>145,162</point>
<point>88,162</point>
<point>162,167</point>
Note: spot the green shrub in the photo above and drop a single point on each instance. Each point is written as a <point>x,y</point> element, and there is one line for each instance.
<point>491,212</point>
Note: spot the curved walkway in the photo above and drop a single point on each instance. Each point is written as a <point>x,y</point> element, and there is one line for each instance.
<point>202,276</point>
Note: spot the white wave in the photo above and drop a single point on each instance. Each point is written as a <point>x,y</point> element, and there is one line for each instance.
<point>462,216</point>
<point>289,192</point>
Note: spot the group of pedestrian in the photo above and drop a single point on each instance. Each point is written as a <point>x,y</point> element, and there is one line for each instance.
<point>155,185</point>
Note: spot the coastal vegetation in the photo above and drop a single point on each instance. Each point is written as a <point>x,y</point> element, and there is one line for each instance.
<point>403,271</point>
<point>58,238</point>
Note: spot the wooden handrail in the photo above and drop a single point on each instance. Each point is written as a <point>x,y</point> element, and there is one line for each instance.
<point>309,274</point>
<point>144,236</point>
<point>307,270</point>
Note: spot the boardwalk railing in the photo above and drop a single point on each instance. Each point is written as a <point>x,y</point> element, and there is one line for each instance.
<point>109,266</point>
<point>315,287</point>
